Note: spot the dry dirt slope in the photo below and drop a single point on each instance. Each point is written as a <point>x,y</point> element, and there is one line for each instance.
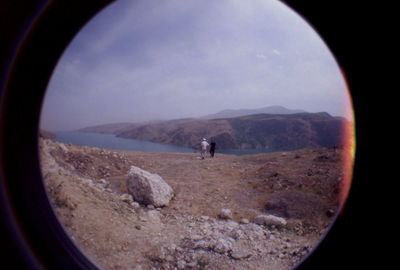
<point>87,188</point>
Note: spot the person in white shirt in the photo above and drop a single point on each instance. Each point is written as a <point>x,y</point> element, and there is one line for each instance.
<point>204,145</point>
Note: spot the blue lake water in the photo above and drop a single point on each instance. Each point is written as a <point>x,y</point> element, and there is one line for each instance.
<point>109,141</point>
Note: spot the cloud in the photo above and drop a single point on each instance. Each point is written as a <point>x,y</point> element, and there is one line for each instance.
<point>276,52</point>
<point>261,56</point>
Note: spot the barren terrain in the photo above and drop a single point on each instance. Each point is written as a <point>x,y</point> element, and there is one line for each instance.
<point>87,188</point>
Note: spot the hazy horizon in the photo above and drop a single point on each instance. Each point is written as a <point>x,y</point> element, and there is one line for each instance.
<point>160,60</point>
<point>194,117</point>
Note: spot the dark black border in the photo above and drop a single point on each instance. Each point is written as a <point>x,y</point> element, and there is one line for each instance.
<point>38,32</point>
<point>34,34</point>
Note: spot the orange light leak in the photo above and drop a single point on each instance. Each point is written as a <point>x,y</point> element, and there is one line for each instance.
<point>347,160</point>
<point>348,153</point>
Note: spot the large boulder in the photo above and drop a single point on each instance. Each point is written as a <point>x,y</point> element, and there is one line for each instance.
<point>148,188</point>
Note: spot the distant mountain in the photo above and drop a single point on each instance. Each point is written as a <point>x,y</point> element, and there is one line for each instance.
<point>244,112</point>
<point>257,131</point>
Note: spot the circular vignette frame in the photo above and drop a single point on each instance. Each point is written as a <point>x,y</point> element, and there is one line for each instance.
<point>36,35</point>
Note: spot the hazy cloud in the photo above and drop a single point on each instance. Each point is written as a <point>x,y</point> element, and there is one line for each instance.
<point>275,51</point>
<point>260,56</point>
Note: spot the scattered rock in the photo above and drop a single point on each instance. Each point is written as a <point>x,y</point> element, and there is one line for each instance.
<point>244,221</point>
<point>148,188</point>
<point>240,253</point>
<point>269,220</point>
<point>222,246</point>
<point>104,183</point>
<point>203,244</point>
<point>98,211</point>
<point>126,198</point>
<point>63,147</point>
<point>225,213</point>
<point>204,218</point>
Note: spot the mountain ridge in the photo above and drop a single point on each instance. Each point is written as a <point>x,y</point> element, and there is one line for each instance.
<point>272,132</point>
<point>230,113</point>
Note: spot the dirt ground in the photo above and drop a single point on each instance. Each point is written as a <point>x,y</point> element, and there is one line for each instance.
<point>87,188</point>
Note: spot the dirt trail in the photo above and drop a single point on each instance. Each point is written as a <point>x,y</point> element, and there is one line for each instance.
<point>87,187</point>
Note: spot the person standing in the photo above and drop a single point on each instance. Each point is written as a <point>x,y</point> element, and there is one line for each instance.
<point>212,148</point>
<point>204,145</point>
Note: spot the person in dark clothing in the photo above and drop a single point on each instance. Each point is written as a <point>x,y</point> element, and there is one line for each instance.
<point>212,148</point>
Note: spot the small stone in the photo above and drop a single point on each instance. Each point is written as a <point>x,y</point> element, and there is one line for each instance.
<point>237,234</point>
<point>126,198</point>
<point>196,237</point>
<point>222,246</point>
<point>135,204</point>
<point>204,218</point>
<point>225,213</point>
<point>270,220</point>
<point>240,253</point>
<point>244,221</point>
<point>202,244</point>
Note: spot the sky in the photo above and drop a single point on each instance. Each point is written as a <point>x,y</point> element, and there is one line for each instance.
<point>166,59</point>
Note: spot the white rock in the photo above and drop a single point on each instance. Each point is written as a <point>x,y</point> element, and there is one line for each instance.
<point>104,183</point>
<point>135,205</point>
<point>204,218</point>
<point>244,221</point>
<point>148,188</point>
<point>237,234</point>
<point>225,213</point>
<point>269,220</point>
<point>240,253</point>
<point>222,246</point>
<point>63,147</point>
<point>126,198</point>
<point>202,244</point>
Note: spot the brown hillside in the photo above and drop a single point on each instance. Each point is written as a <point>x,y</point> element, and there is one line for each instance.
<point>185,133</point>
<point>87,188</point>
<point>262,131</point>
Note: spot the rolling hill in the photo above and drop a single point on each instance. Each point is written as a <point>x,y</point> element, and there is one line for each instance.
<point>256,131</point>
